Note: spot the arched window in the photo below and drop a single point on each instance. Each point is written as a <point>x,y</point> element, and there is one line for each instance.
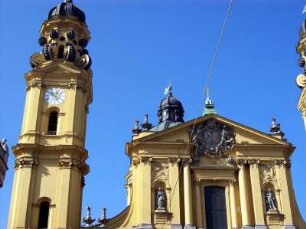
<point>215,207</point>
<point>52,125</point>
<point>43,214</point>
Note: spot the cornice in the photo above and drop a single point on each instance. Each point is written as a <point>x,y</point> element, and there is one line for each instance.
<point>214,167</point>
<point>260,146</point>
<point>61,68</point>
<point>287,149</point>
<point>31,149</point>
<point>135,146</point>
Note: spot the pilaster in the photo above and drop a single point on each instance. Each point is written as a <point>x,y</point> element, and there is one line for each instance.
<point>174,205</point>
<point>257,194</point>
<point>22,198</point>
<point>285,195</point>
<point>145,191</point>
<point>31,116</point>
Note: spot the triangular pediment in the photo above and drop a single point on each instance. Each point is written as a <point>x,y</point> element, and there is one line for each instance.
<point>58,68</point>
<point>243,134</point>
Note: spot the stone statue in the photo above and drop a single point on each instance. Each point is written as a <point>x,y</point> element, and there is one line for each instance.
<point>4,145</point>
<point>161,199</point>
<point>270,200</point>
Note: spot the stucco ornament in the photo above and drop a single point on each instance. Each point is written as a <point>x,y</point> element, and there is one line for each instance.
<point>160,172</point>
<point>213,139</point>
<point>268,175</point>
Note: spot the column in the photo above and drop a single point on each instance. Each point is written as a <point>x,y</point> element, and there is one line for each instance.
<point>257,195</point>
<point>187,196</point>
<point>233,204</point>
<point>199,202</point>
<point>243,191</point>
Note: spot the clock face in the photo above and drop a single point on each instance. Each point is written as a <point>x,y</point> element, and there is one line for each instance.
<point>55,96</point>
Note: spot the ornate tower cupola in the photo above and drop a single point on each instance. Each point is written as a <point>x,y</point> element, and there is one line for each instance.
<point>170,109</point>
<point>64,36</point>
<point>170,112</point>
<point>50,155</point>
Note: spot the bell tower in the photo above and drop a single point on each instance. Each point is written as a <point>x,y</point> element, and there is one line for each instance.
<point>50,155</point>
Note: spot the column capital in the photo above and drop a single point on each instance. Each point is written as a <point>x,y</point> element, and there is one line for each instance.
<point>241,163</point>
<point>135,158</point>
<point>35,83</point>
<point>283,162</point>
<point>254,162</point>
<point>232,182</point>
<point>146,160</point>
<point>187,161</point>
<point>174,160</point>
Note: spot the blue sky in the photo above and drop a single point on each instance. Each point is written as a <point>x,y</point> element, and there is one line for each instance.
<point>137,48</point>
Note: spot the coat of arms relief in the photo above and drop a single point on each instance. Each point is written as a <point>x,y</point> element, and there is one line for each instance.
<point>213,139</point>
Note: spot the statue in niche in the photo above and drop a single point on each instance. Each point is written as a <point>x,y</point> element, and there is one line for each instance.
<point>270,200</point>
<point>161,199</point>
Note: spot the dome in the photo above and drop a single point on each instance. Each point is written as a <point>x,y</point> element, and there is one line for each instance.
<point>67,9</point>
<point>170,109</point>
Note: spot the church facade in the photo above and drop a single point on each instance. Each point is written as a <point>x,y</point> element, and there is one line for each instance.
<point>209,172</point>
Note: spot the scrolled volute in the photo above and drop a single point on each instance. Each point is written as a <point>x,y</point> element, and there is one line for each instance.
<point>301,81</point>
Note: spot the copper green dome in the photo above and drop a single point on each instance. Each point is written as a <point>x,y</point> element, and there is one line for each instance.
<point>67,9</point>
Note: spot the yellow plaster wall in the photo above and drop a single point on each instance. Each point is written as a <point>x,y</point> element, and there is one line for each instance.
<point>51,166</point>
<point>258,160</point>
